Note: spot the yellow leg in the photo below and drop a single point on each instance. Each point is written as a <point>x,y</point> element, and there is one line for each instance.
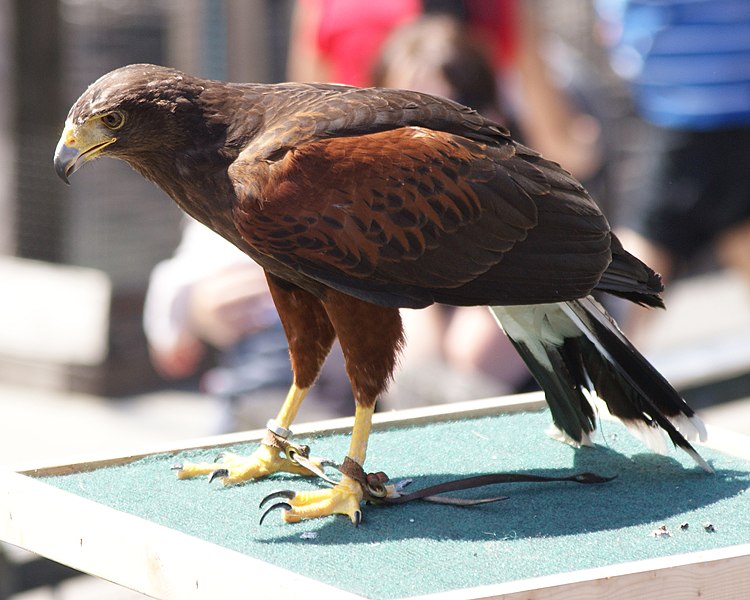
<point>232,468</point>
<point>360,434</point>
<point>346,496</point>
<point>291,405</point>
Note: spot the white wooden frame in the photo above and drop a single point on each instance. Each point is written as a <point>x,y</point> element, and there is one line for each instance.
<point>164,563</point>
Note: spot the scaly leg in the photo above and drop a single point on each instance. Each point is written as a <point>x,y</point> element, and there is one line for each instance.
<point>310,336</point>
<point>232,468</point>
<point>345,497</point>
<point>370,360</point>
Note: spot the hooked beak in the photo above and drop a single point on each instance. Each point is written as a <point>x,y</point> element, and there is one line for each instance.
<point>78,144</point>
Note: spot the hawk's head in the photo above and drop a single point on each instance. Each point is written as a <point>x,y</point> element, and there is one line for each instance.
<point>139,113</point>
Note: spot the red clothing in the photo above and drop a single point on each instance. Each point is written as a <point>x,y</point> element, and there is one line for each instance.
<point>350,34</point>
<point>495,24</point>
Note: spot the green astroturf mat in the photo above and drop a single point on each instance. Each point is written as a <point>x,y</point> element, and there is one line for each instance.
<point>422,548</point>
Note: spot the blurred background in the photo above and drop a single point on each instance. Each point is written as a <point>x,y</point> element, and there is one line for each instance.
<point>112,223</point>
<point>77,372</point>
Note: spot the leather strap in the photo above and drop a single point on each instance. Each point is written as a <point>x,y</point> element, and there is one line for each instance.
<point>298,454</point>
<point>377,489</point>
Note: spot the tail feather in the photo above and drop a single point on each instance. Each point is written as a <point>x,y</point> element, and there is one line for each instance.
<point>579,348</point>
<point>630,278</point>
<point>645,396</point>
<point>572,413</point>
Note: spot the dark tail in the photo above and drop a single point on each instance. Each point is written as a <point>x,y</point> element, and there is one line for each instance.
<point>630,278</point>
<point>575,347</point>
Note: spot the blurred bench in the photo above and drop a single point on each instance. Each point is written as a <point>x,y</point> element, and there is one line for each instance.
<point>67,328</point>
<point>703,338</point>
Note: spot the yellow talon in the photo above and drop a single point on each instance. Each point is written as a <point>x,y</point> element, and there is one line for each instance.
<point>344,498</point>
<point>232,469</point>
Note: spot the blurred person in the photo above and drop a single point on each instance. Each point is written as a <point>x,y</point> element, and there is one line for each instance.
<point>687,63</point>
<point>435,54</point>
<point>210,295</point>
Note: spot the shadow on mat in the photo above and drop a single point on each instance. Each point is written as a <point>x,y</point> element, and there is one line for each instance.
<point>647,488</point>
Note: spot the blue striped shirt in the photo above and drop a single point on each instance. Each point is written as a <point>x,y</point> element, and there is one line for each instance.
<point>688,61</point>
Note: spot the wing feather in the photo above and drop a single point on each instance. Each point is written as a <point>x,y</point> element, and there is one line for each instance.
<point>410,216</point>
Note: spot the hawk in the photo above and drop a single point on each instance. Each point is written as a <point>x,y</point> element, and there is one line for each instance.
<point>358,202</point>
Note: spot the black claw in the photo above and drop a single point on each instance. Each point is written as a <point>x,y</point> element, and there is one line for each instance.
<point>288,494</point>
<point>177,467</point>
<point>218,473</point>
<point>357,518</point>
<point>273,507</point>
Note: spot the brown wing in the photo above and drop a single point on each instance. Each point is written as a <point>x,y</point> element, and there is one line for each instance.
<point>411,216</point>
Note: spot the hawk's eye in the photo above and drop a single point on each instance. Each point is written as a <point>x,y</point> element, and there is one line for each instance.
<point>113,120</point>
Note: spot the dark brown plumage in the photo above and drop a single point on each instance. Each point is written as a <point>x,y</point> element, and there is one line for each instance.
<point>359,201</point>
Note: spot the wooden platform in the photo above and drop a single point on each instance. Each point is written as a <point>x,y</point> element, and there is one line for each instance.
<point>165,563</point>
